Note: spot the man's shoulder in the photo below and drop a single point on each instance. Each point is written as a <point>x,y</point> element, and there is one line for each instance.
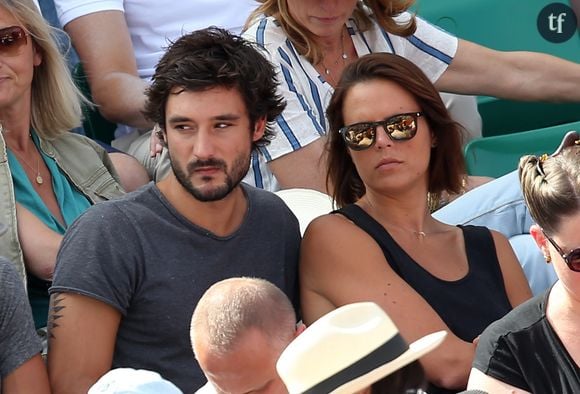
<point>129,205</point>
<point>264,199</point>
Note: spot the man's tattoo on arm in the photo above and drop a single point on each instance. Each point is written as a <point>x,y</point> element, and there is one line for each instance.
<point>54,313</point>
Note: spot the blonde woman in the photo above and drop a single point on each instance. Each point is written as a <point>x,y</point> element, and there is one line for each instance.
<point>535,348</point>
<point>48,176</point>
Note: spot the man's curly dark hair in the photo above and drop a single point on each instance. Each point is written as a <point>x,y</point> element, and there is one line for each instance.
<point>213,57</point>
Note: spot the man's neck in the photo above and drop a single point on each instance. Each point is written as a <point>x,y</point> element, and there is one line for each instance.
<point>221,217</point>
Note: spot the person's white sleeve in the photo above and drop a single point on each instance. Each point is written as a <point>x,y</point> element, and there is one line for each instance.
<point>303,121</point>
<point>430,48</point>
<point>69,10</point>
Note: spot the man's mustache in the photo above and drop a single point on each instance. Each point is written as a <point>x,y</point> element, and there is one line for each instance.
<point>194,165</point>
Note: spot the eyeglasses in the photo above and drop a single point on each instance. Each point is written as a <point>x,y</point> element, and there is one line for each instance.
<point>572,259</point>
<point>400,127</point>
<point>11,40</point>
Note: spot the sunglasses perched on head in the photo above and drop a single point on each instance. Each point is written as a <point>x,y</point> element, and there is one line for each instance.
<point>11,40</point>
<point>400,127</point>
<point>572,259</point>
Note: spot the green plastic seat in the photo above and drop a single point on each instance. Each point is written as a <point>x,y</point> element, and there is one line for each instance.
<point>496,156</point>
<point>506,25</point>
<point>95,126</point>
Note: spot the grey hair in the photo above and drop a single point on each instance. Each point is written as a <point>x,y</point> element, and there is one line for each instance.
<point>231,307</point>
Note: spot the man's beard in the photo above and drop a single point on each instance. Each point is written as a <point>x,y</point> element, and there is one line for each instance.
<point>233,178</point>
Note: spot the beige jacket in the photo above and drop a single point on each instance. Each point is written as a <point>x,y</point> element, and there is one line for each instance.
<point>84,162</point>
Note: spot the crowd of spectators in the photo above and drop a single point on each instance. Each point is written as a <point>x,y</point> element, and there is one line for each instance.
<point>107,251</point>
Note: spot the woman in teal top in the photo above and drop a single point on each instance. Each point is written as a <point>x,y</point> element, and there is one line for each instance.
<point>48,176</point>
<point>71,203</point>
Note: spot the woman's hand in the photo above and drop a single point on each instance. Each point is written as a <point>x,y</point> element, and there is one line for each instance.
<point>155,142</point>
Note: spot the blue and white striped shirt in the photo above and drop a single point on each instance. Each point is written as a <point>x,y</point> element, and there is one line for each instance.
<point>307,93</point>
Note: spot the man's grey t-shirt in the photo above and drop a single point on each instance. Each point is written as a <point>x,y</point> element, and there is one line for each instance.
<point>18,339</point>
<point>142,257</point>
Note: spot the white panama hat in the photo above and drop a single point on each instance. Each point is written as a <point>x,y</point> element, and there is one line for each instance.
<point>133,381</point>
<point>347,350</point>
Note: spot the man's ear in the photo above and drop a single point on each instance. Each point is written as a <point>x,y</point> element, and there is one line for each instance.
<point>160,134</point>
<point>540,239</point>
<point>300,327</point>
<point>259,129</point>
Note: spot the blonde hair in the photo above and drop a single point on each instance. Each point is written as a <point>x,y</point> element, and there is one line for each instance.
<point>56,104</point>
<point>383,11</point>
<point>551,186</point>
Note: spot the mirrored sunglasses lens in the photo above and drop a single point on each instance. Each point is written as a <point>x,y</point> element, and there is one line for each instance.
<point>574,260</point>
<point>360,136</point>
<point>11,39</point>
<point>402,127</point>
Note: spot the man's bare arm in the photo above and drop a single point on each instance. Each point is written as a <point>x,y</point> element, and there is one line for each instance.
<point>82,333</point>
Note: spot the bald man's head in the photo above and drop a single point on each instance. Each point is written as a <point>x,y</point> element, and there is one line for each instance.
<point>238,330</point>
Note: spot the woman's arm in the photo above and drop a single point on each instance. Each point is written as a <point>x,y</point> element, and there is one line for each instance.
<point>39,243</point>
<point>526,76</point>
<point>480,381</point>
<point>341,264</point>
<point>515,282</point>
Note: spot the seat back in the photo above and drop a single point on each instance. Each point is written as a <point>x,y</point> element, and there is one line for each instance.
<point>506,25</point>
<point>306,204</point>
<point>95,126</point>
<point>496,156</point>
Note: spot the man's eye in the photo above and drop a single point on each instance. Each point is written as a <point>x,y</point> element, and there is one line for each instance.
<point>181,127</point>
<point>222,125</point>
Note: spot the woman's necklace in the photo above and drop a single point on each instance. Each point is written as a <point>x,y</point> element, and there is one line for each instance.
<point>419,234</point>
<point>342,56</point>
<point>39,180</point>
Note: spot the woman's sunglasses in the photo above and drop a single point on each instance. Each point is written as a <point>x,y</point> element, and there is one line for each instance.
<point>572,259</point>
<point>400,127</point>
<point>11,40</point>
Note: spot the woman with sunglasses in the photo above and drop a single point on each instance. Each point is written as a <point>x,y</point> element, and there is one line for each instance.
<point>391,141</point>
<point>311,42</point>
<point>48,176</point>
<point>536,347</point>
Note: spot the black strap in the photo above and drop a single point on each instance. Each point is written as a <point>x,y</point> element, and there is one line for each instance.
<point>373,228</point>
<point>382,355</point>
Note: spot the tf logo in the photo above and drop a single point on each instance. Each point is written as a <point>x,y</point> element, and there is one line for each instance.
<point>557,22</point>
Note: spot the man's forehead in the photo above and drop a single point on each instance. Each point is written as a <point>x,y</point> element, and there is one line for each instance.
<point>215,103</point>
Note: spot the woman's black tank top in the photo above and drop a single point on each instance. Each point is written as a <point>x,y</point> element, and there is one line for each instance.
<point>467,305</point>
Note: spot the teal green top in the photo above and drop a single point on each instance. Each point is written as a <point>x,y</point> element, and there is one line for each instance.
<point>71,203</point>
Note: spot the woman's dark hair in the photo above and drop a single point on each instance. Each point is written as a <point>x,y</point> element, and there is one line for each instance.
<point>446,166</point>
<point>213,57</point>
<point>408,379</point>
